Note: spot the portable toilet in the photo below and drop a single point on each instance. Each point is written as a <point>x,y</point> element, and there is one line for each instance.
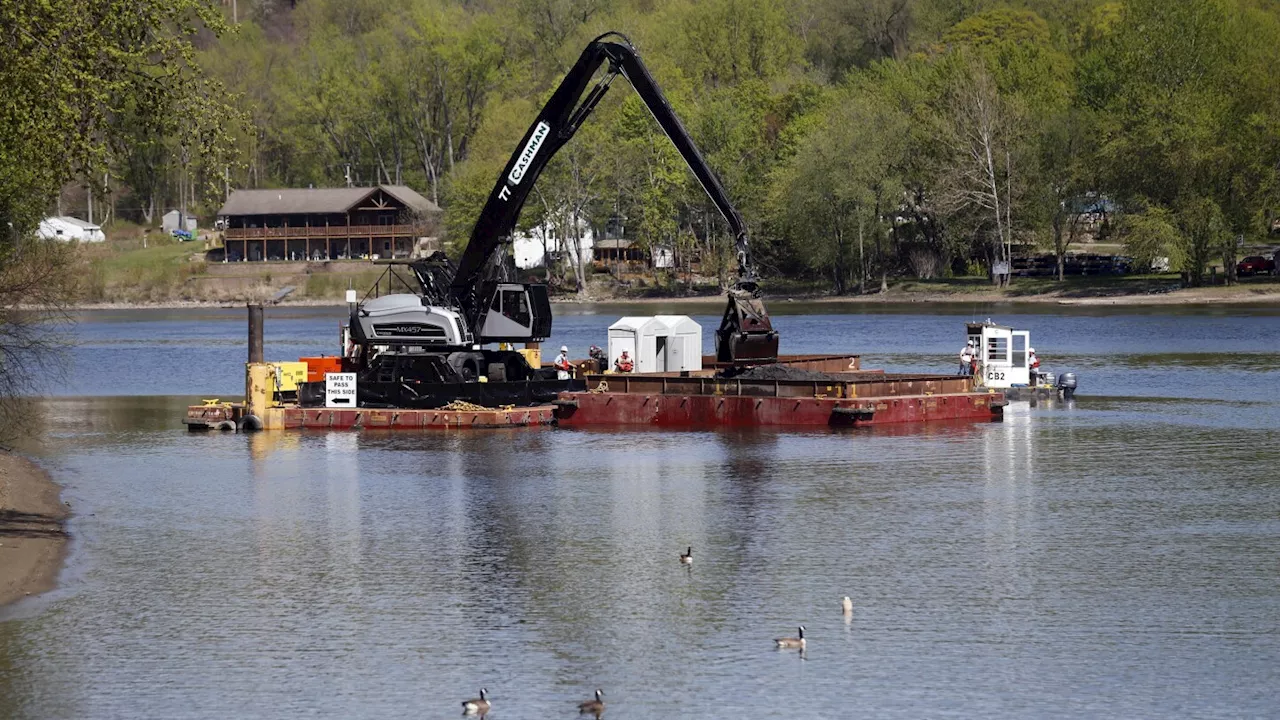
<point>639,337</point>
<point>1002,355</point>
<point>683,343</point>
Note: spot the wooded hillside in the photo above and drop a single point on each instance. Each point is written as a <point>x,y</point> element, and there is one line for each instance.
<point>860,139</point>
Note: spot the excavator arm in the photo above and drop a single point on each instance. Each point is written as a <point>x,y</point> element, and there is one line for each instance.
<point>745,332</point>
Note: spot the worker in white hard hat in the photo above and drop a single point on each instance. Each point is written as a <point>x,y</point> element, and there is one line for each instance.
<point>967,356</point>
<point>563,368</point>
<point>1033,364</point>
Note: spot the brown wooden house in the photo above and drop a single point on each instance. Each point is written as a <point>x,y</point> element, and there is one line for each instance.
<point>325,223</point>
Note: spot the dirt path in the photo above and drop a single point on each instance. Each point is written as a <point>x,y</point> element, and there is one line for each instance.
<point>32,538</point>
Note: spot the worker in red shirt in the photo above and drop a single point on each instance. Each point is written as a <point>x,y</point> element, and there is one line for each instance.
<point>623,363</point>
<point>1033,362</point>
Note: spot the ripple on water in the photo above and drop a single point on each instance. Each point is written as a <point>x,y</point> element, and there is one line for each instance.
<point>1111,557</point>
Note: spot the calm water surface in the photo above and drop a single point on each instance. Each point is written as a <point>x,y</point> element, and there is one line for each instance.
<point>1117,557</point>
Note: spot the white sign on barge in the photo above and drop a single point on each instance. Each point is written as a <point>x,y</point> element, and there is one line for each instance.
<point>340,390</point>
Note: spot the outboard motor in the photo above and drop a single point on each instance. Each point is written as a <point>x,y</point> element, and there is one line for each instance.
<point>1067,382</point>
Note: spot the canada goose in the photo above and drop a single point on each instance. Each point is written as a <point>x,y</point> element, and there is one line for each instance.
<point>476,706</point>
<point>786,643</point>
<point>594,707</point>
<point>686,557</point>
<point>846,605</point>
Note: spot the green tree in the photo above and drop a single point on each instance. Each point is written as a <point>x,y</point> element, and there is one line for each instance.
<point>834,192</point>
<point>1162,83</point>
<point>70,71</point>
<point>1066,146</point>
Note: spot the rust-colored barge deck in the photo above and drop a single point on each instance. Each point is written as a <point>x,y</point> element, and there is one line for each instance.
<point>854,398</point>
<point>231,416</point>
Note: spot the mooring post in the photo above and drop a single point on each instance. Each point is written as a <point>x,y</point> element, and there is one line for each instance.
<point>255,333</point>
<point>257,378</point>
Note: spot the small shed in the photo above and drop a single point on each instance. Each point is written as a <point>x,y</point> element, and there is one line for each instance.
<point>67,228</point>
<point>640,337</point>
<point>683,342</point>
<point>171,221</point>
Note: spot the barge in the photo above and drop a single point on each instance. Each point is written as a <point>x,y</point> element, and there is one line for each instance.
<point>839,400</point>
<point>795,390</point>
<point>421,356</point>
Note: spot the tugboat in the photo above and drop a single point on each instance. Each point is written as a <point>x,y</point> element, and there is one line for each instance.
<point>1004,360</point>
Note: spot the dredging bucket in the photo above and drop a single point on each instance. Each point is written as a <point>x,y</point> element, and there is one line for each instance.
<point>746,334</point>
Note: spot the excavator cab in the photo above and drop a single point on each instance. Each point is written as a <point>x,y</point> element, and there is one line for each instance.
<point>746,335</point>
<point>516,312</point>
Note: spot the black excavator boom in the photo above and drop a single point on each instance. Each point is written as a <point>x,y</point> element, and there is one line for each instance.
<point>745,334</point>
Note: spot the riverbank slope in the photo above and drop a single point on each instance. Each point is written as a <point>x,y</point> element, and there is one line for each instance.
<point>130,272</point>
<point>32,536</point>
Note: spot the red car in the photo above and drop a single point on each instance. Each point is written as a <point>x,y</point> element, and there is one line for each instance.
<point>1255,264</point>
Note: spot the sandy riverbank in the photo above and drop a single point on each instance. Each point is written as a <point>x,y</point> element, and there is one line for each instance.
<point>32,536</point>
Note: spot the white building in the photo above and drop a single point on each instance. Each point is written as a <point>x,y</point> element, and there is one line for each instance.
<point>529,249</point>
<point>68,228</point>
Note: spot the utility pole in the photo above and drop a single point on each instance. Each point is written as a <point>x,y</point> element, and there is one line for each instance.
<point>89,193</point>
<point>235,12</point>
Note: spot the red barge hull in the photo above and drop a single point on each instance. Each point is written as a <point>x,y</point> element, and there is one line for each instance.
<point>846,396</point>
<point>585,409</point>
<point>368,419</point>
<point>845,399</point>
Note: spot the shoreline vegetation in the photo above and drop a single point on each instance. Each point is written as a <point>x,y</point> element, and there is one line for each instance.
<point>33,536</point>
<point>1236,295</point>
<point>138,269</point>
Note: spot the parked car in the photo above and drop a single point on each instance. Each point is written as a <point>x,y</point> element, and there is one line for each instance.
<point>1255,264</point>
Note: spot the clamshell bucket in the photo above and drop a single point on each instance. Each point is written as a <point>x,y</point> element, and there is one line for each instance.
<point>746,335</point>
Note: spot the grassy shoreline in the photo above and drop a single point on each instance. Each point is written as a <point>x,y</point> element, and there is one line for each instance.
<point>1264,293</point>
<point>148,270</point>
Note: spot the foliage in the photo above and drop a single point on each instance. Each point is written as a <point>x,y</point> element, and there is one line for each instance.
<point>951,132</point>
<point>1152,234</point>
<point>78,75</point>
<point>90,86</point>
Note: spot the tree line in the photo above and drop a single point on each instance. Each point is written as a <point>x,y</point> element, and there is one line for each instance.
<point>861,140</point>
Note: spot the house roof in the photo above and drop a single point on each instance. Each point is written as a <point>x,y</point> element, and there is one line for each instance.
<point>307,201</point>
<point>77,222</point>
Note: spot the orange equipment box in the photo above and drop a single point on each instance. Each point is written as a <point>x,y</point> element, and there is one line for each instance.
<point>318,366</point>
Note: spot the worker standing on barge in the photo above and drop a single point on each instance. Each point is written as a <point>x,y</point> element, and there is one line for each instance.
<point>966,359</point>
<point>563,368</point>
<point>623,364</point>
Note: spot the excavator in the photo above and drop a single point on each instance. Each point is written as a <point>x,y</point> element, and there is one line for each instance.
<point>439,332</point>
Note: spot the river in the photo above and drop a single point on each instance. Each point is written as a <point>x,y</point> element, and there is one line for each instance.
<point>1118,556</point>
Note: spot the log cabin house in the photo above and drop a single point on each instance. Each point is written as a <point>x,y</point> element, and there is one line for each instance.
<point>297,224</point>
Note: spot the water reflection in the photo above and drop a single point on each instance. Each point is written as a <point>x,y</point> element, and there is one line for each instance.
<point>995,568</point>
<point>1009,519</point>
